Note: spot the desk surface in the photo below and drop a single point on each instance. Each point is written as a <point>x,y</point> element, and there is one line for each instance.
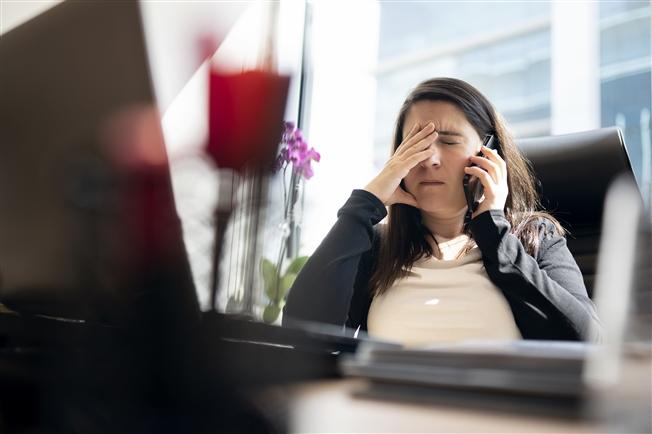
<point>330,406</point>
<point>335,406</point>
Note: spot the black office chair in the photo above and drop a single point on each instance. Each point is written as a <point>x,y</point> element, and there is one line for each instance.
<point>574,172</point>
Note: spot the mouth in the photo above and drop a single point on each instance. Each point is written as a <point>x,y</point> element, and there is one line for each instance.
<point>431,183</point>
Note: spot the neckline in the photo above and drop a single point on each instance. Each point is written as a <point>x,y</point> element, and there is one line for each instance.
<point>463,238</point>
<point>473,255</point>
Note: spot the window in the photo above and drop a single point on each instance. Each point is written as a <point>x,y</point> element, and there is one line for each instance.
<point>527,57</point>
<point>625,80</point>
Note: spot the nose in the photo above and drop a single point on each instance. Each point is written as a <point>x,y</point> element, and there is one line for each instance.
<point>435,158</point>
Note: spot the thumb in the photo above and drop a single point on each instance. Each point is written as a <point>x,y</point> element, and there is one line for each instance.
<point>404,197</point>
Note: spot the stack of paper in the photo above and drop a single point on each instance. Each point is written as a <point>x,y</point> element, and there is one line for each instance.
<point>532,367</point>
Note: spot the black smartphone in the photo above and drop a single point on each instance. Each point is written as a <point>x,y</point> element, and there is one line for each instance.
<point>473,189</point>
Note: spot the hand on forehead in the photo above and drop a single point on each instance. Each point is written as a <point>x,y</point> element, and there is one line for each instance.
<point>446,117</point>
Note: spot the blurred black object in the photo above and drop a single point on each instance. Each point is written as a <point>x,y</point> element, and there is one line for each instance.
<point>65,76</point>
<point>103,333</point>
<point>67,376</point>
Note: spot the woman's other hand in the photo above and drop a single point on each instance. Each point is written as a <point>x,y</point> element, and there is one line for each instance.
<point>491,170</point>
<point>414,149</point>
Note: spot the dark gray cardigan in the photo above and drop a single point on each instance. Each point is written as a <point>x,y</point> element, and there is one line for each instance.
<point>546,293</point>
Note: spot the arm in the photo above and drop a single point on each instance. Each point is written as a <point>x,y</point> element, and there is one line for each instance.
<point>547,294</point>
<point>325,286</point>
<point>333,285</point>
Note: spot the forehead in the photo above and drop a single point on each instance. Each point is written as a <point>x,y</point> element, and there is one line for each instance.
<point>443,114</point>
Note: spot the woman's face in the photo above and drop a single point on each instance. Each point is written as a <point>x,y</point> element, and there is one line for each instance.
<point>436,183</point>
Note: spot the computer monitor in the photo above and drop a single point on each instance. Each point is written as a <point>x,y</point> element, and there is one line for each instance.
<point>65,250</point>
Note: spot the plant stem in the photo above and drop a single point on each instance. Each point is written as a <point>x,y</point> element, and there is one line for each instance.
<point>285,194</point>
<point>279,264</point>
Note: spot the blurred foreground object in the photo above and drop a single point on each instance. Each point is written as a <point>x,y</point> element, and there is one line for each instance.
<point>245,125</point>
<point>621,374</point>
<point>245,118</point>
<point>103,333</point>
<point>65,75</point>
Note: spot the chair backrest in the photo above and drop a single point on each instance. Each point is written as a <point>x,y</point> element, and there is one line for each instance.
<point>574,172</point>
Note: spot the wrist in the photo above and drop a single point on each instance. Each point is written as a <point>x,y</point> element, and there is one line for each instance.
<point>370,189</point>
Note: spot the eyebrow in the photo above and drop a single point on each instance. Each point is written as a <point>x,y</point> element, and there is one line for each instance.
<point>450,133</point>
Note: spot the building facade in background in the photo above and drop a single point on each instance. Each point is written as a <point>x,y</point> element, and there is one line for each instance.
<point>507,51</point>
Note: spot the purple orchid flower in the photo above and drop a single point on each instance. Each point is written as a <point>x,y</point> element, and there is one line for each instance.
<point>295,152</point>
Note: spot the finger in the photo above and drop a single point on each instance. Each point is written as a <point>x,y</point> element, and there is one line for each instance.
<point>427,129</point>
<point>421,145</point>
<point>483,176</point>
<point>493,155</point>
<point>424,132</point>
<point>418,158</point>
<point>492,168</point>
<point>415,129</point>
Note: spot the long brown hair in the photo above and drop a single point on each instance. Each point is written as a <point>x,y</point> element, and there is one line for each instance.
<point>405,238</point>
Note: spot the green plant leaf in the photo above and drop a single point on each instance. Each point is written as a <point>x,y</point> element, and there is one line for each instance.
<point>297,264</point>
<point>269,270</point>
<point>271,313</point>
<point>269,277</point>
<point>270,292</point>
<point>286,284</point>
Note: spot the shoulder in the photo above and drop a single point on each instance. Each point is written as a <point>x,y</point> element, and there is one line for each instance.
<point>540,231</point>
<point>541,223</point>
<point>549,228</point>
<point>552,239</point>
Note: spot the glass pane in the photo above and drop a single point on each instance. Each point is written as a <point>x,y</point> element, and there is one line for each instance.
<point>625,102</point>
<point>627,40</point>
<point>626,94</point>
<point>610,8</point>
<point>413,27</point>
<point>467,41</point>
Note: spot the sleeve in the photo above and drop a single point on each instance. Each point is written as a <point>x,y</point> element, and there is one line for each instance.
<point>547,295</point>
<point>324,288</point>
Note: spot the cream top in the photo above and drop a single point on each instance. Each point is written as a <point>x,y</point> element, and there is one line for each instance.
<point>443,301</point>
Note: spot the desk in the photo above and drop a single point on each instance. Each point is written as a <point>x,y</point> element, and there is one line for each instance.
<point>329,406</point>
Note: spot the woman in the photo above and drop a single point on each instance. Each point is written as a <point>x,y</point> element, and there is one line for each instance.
<point>435,273</point>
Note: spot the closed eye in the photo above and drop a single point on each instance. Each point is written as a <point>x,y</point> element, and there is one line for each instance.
<point>448,140</point>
